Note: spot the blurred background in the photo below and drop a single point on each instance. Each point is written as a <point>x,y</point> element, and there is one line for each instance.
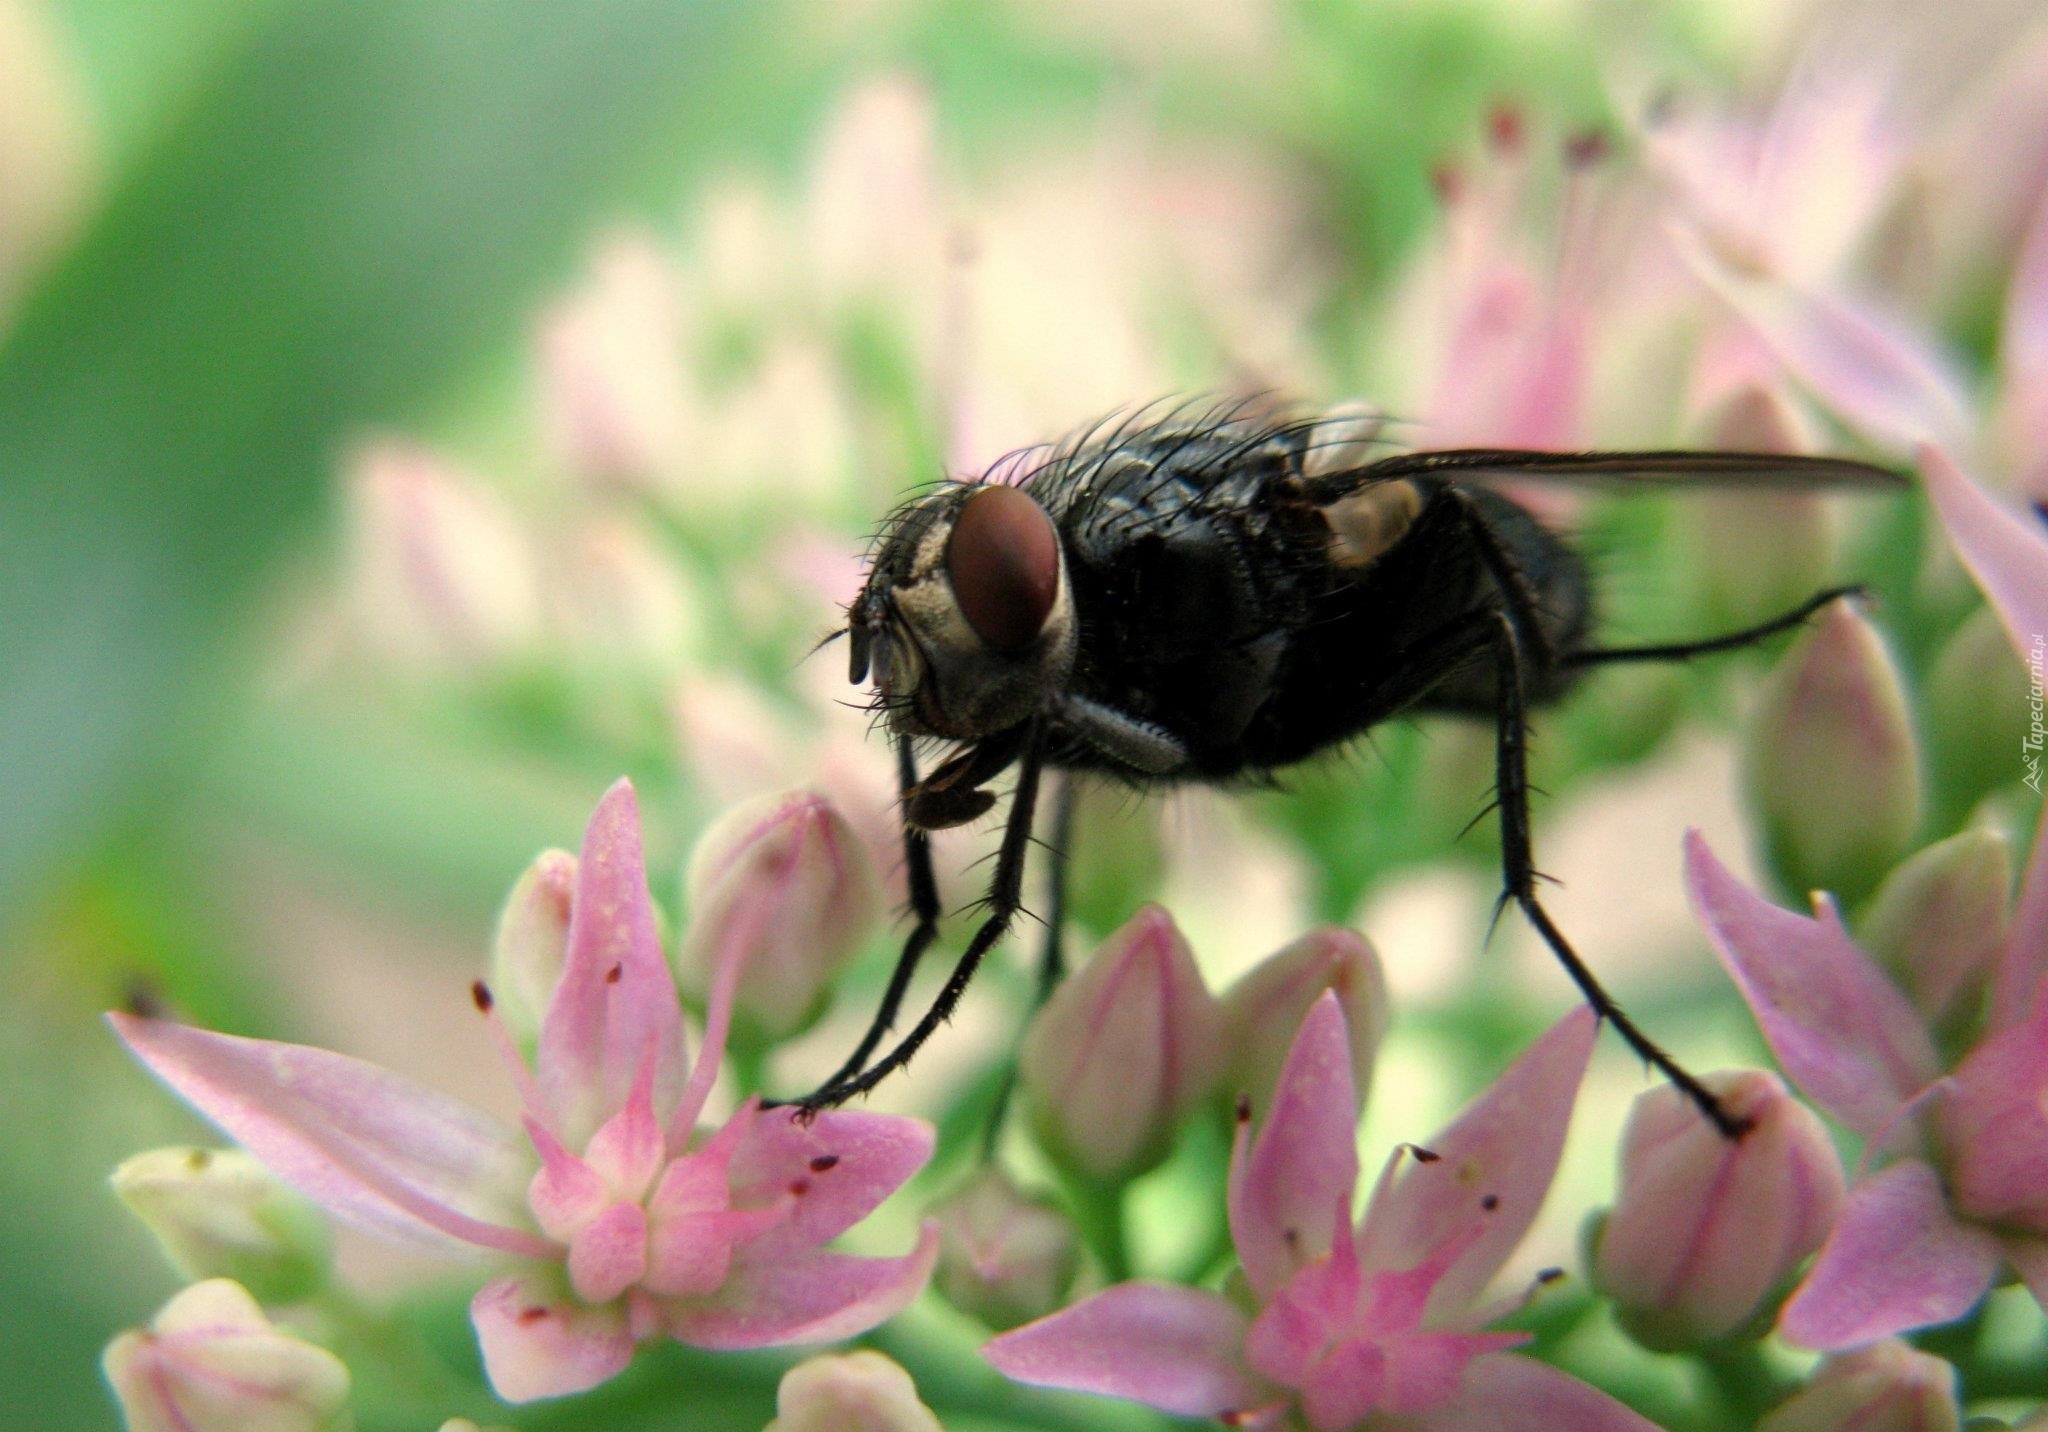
<point>415,413</point>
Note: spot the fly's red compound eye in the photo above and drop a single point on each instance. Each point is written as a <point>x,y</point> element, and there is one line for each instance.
<point>1003,558</point>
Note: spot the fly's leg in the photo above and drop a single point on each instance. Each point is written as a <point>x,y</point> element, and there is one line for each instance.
<point>1731,641</point>
<point>924,910</point>
<point>1517,639</point>
<point>1004,897</point>
<point>1052,960</point>
<point>1518,872</point>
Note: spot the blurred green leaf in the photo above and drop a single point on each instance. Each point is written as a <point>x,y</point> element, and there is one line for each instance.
<point>364,198</point>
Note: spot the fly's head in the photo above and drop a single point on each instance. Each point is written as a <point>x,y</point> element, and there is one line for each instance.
<point>966,624</point>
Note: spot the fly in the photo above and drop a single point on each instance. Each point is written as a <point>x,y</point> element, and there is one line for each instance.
<point>1213,598</point>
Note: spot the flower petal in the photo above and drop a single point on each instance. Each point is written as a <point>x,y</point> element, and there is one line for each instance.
<point>2005,551</point>
<point>616,1002</point>
<point>813,1297</point>
<point>1504,1147</point>
<point>1304,1161</point>
<point>1897,1260</point>
<point>1177,1349</point>
<point>845,1163</point>
<point>1506,1393</point>
<point>610,1255</point>
<point>540,1345</point>
<point>1994,1126</point>
<point>1866,363</point>
<point>366,1144</point>
<point>1842,1031</point>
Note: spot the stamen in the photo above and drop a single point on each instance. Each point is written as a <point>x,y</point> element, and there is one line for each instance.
<point>531,1101</point>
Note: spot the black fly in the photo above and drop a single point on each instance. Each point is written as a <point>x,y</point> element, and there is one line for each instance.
<point>1212,598</point>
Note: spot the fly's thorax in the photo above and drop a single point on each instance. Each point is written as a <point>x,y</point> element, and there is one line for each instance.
<point>968,613</point>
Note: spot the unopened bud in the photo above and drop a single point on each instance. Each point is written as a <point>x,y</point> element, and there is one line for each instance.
<point>849,1392</point>
<point>211,1359</point>
<point>1832,766</point>
<point>1976,709</point>
<point>1263,1010</point>
<point>1004,1257</point>
<point>1705,1227</point>
<point>1887,1388</point>
<point>615,390</point>
<point>783,886</point>
<point>532,942</point>
<point>443,571</point>
<point>217,1213</point>
<point>1122,1050</point>
<point>1760,553</point>
<point>627,606</point>
<point>1938,922</point>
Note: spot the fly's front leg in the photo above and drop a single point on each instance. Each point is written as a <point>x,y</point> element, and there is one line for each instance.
<point>924,911</point>
<point>1004,898</point>
<point>1518,873</point>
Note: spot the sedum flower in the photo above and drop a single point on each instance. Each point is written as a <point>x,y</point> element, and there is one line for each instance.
<point>1004,1256</point>
<point>849,1392</point>
<point>1921,1236</point>
<point>1887,1388</point>
<point>1372,1325</point>
<point>211,1359</point>
<point>1832,767</point>
<point>1122,1051</point>
<point>1264,1008</point>
<point>218,1213</point>
<point>617,1220</point>
<point>1705,1228</point>
<point>782,890</point>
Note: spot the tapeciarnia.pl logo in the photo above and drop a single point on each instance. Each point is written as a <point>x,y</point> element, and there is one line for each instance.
<point>2030,744</point>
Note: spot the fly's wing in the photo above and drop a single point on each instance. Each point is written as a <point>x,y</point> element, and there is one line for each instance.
<point>1762,471</point>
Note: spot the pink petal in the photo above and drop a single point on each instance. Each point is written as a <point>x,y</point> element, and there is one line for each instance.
<point>1346,1386</point>
<point>1869,365</point>
<point>616,1002</point>
<point>1897,1260</point>
<point>1304,1161</point>
<point>610,1255</point>
<point>1505,1393</point>
<point>566,1193</point>
<point>840,1167</point>
<point>1177,1349</point>
<point>627,1148</point>
<point>2023,353</point>
<point>813,1297</point>
<point>2005,549</point>
<point>1504,1146</point>
<point>1842,1031</point>
<point>537,1347</point>
<point>1994,1126</point>
<point>367,1145</point>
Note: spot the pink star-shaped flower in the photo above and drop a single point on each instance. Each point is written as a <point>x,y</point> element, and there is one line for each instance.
<point>617,1221</point>
<point>1349,1325</point>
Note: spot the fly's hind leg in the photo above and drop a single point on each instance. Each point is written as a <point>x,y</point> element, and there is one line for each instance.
<point>1728,641</point>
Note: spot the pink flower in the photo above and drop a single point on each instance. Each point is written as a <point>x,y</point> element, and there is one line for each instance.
<point>1921,1236</point>
<point>619,1222</point>
<point>1350,1324</point>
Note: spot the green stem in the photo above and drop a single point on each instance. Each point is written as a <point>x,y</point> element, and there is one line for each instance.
<point>1100,1213</point>
<point>1747,1384</point>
